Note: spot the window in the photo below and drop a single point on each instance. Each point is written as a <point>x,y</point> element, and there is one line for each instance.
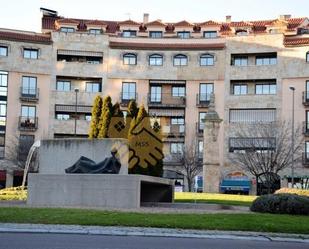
<point>129,33</point>
<point>3,83</point>
<point>183,34</point>
<point>307,56</point>
<point>266,60</point>
<point>92,87</point>
<point>2,113</point>
<point>25,143</point>
<point>61,116</point>
<point>3,51</point>
<point>29,85</point>
<point>155,60</point>
<point>210,34</point>
<point>265,89</point>
<point>128,91</point>
<point>200,149</point>
<point>177,121</point>
<point>155,34</point>
<point>31,53</point>
<point>88,117</point>
<point>176,148</point>
<point>252,144</point>
<point>207,60</point>
<point>201,117</point>
<point>155,94</point>
<point>67,29</point>
<point>252,115</point>
<point>28,111</point>
<point>240,89</point>
<point>180,60</point>
<point>178,91</point>
<point>241,32</point>
<point>206,89</point>
<point>2,145</point>
<point>240,61</point>
<point>95,31</point>
<point>129,59</point>
<point>64,86</point>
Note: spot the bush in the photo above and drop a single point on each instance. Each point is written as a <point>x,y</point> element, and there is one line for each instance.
<point>296,191</point>
<point>281,204</point>
<point>13,194</point>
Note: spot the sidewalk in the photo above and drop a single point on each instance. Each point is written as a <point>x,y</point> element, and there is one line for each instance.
<point>152,232</point>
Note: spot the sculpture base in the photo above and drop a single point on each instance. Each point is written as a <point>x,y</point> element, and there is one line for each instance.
<point>97,190</point>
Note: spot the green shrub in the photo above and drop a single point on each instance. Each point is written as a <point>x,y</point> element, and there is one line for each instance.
<point>281,204</point>
<point>293,191</point>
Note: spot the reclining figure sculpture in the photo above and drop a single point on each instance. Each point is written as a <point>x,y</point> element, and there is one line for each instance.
<point>84,165</point>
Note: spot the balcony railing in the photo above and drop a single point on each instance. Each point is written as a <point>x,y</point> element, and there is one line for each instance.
<point>173,130</point>
<point>306,98</point>
<point>166,100</point>
<point>306,128</point>
<point>28,123</point>
<point>306,159</point>
<point>251,144</point>
<point>203,100</point>
<point>29,94</point>
<point>200,128</point>
<point>73,108</point>
<point>125,98</point>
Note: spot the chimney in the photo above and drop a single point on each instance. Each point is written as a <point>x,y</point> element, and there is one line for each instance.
<point>146,18</point>
<point>228,19</point>
<point>284,17</point>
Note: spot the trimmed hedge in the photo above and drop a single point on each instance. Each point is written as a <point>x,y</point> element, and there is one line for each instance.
<point>281,204</point>
<point>293,191</point>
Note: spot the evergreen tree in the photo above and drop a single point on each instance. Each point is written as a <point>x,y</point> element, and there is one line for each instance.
<point>95,117</point>
<point>105,118</point>
<point>117,111</point>
<point>132,109</point>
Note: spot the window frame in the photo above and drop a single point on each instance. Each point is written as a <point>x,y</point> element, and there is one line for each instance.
<point>210,32</point>
<point>29,90</point>
<point>264,85</point>
<point>307,57</point>
<point>155,95</point>
<point>206,93</point>
<point>241,59</point>
<point>97,31</point>
<point>240,85</point>
<point>265,60</point>
<point>155,32</point>
<point>61,115</point>
<point>156,57</point>
<point>134,32</point>
<point>179,148</point>
<point>63,81</point>
<point>128,57</point>
<point>183,34</point>
<point>92,84</point>
<point>178,94</point>
<point>31,51</point>
<point>67,29</point>
<point>207,57</point>
<point>180,58</point>
<point>28,107</point>
<point>6,50</point>
<point>129,93</point>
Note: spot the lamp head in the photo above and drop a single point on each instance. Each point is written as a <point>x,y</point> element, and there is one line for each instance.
<point>292,88</point>
<point>76,90</point>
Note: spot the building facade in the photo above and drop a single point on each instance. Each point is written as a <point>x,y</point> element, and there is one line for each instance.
<point>49,80</point>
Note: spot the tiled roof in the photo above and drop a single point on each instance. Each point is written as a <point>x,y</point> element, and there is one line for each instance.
<point>209,23</point>
<point>171,46</point>
<point>95,23</point>
<point>129,22</point>
<point>68,21</point>
<point>239,24</point>
<point>295,22</point>
<point>298,41</point>
<point>183,23</point>
<point>155,23</point>
<point>25,37</point>
<point>262,23</point>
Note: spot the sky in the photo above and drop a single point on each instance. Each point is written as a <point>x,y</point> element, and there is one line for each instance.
<point>25,14</point>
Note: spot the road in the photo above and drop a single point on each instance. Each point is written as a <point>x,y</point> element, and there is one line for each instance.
<point>69,241</point>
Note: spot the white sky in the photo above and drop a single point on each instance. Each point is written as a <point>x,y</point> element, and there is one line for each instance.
<point>25,14</point>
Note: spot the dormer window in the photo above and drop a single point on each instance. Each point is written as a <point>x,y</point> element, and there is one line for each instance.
<point>210,34</point>
<point>3,51</point>
<point>95,31</point>
<point>155,34</point>
<point>129,33</point>
<point>67,30</point>
<point>183,34</point>
<point>241,32</point>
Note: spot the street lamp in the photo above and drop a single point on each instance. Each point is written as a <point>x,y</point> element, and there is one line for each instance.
<point>76,90</point>
<point>292,166</point>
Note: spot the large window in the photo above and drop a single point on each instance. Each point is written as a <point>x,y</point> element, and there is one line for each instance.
<point>155,60</point>
<point>206,89</point>
<point>129,59</point>
<point>178,91</point>
<point>266,60</point>
<point>95,31</point>
<point>180,60</point>
<point>128,91</point>
<point>28,111</point>
<point>25,143</point>
<point>64,86</point>
<point>201,118</point>
<point>155,94</point>
<point>252,115</point>
<point>177,148</point>
<point>93,87</point>
<point>129,33</point>
<point>3,51</point>
<point>210,34</point>
<point>61,116</point>
<point>177,121</point>
<point>183,34</point>
<point>207,60</point>
<point>155,34</point>
<point>2,113</point>
<point>265,89</point>
<point>240,89</point>
<point>67,29</point>
<point>30,53</point>
<point>3,83</point>
<point>29,85</point>
<point>239,60</point>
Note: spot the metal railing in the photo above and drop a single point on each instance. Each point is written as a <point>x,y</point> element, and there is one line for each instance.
<point>71,108</point>
<point>125,98</point>
<point>166,100</point>
<point>252,143</point>
<point>203,100</point>
<point>28,123</point>
<point>29,94</point>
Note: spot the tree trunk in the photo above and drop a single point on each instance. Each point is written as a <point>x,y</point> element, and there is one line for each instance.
<point>257,184</point>
<point>189,185</point>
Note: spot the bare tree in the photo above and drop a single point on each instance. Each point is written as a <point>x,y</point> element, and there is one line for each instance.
<point>265,149</point>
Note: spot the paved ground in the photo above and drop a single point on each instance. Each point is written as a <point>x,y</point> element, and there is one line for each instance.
<point>70,241</point>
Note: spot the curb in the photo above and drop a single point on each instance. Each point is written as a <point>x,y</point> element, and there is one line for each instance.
<point>150,232</point>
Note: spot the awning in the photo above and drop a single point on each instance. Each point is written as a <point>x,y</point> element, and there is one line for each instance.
<point>79,53</point>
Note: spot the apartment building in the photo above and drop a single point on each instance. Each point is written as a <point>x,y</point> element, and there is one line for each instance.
<point>49,80</point>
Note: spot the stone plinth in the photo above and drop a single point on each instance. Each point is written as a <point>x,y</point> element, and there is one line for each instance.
<point>97,190</point>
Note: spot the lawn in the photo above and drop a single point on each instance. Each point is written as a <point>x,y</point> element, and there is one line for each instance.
<point>241,200</point>
<point>236,222</point>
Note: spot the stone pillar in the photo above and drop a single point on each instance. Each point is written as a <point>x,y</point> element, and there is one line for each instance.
<point>9,179</point>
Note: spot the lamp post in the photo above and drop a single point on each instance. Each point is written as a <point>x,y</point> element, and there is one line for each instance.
<point>76,90</point>
<point>293,111</point>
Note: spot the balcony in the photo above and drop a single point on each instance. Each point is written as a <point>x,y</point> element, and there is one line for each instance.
<point>29,94</point>
<point>28,123</point>
<point>173,130</point>
<point>306,98</point>
<point>199,128</point>
<point>306,128</point>
<point>166,101</point>
<point>306,159</point>
<point>203,100</point>
<point>125,98</point>
<point>73,108</point>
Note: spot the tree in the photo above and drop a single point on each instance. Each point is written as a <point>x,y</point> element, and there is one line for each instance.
<point>95,117</point>
<point>132,109</point>
<point>105,118</point>
<point>265,149</point>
